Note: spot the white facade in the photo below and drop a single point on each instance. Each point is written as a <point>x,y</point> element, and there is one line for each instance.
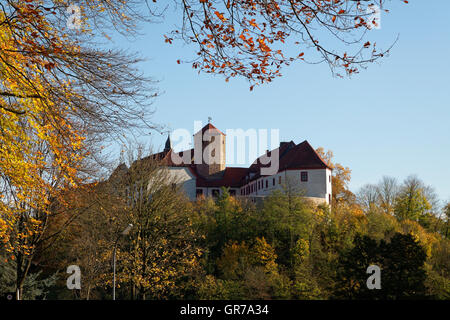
<point>317,186</point>
<point>183,176</point>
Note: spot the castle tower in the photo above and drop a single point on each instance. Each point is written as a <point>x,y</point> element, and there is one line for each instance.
<point>168,145</point>
<point>209,150</point>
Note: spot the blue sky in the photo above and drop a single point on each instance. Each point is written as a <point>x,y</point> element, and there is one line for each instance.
<point>391,119</point>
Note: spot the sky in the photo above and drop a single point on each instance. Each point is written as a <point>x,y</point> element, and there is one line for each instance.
<point>391,119</point>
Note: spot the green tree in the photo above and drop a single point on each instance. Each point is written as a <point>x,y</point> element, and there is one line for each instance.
<point>447,220</point>
<point>35,286</point>
<point>286,217</point>
<point>411,202</point>
<point>402,269</point>
<point>305,285</point>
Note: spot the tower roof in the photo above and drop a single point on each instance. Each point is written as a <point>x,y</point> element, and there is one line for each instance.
<point>168,145</point>
<point>209,126</point>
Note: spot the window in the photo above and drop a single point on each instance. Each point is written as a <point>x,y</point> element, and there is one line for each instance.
<point>304,176</point>
<point>199,193</point>
<point>273,181</point>
<point>329,198</point>
<point>232,192</point>
<point>267,184</point>
<point>279,180</point>
<point>329,177</point>
<point>215,192</point>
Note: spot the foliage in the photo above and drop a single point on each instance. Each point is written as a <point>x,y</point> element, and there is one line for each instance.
<point>58,97</point>
<point>35,286</point>
<point>248,38</point>
<point>402,269</point>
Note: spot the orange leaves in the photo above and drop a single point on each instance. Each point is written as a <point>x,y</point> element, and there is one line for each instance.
<point>244,33</point>
<point>220,16</point>
<point>254,24</point>
<point>49,66</point>
<point>167,39</point>
<point>263,46</point>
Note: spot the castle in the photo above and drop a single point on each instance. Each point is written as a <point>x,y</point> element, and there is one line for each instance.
<point>298,165</point>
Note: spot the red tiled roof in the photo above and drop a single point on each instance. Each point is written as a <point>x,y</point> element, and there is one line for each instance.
<point>302,156</point>
<point>231,177</point>
<point>209,126</point>
<point>292,156</point>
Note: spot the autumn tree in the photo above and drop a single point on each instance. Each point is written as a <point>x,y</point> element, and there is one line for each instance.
<point>163,247</point>
<point>388,189</point>
<point>61,95</point>
<point>80,232</point>
<point>250,38</point>
<point>253,271</point>
<point>368,197</point>
<point>58,95</point>
<point>305,285</point>
<point>411,202</point>
<point>447,219</point>
<point>342,197</point>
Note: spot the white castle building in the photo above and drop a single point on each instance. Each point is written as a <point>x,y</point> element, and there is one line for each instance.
<point>298,165</point>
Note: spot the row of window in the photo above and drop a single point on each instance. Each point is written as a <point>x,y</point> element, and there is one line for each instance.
<point>258,185</point>
<point>215,192</point>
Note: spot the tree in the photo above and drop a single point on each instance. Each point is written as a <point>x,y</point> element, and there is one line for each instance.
<point>163,248</point>
<point>342,199</point>
<point>368,197</point>
<point>248,38</point>
<point>58,97</point>
<point>411,202</point>
<point>447,218</point>
<point>305,285</point>
<point>35,286</point>
<point>401,261</point>
<point>253,269</point>
<point>80,232</point>
<point>285,217</point>
<point>387,192</point>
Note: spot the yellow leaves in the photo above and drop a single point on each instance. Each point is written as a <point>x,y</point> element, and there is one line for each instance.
<point>38,144</point>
